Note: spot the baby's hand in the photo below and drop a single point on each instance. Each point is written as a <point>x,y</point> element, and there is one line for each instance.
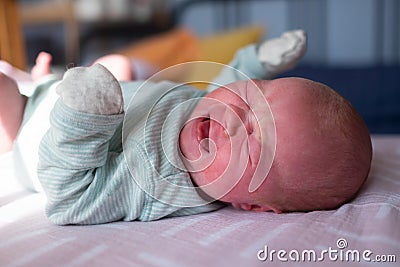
<point>283,53</point>
<point>91,90</point>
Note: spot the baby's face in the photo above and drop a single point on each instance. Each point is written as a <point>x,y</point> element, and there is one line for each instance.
<point>227,134</point>
<point>278,145</point>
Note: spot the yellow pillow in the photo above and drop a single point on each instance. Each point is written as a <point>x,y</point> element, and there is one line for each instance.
<point>221,48</point>
<point>165,49</point>
<point>181,45</point>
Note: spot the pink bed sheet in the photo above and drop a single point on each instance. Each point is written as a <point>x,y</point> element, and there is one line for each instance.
<point>368,226</point>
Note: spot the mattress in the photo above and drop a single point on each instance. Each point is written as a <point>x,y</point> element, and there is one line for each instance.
<point>361,232</point>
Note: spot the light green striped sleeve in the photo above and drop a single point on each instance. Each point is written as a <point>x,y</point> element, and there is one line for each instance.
<point>85,183</point>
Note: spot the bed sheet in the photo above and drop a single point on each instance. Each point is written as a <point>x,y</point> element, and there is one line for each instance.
<point>368,227</point>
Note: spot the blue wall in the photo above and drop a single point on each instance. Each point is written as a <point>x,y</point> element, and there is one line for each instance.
<point>341,32</point>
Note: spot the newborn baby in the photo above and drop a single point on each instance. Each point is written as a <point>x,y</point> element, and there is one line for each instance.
<point>153,150</point>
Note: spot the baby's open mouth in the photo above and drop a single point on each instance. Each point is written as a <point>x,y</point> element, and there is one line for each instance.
<point>204,133</point>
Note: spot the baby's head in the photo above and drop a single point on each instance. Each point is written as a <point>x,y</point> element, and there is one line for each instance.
<point>288,144</point>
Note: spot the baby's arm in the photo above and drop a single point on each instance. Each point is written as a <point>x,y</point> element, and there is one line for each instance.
<point>84,181</point>
<point>266,60</point>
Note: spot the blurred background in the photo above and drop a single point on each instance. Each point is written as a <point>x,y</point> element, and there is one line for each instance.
<point>345,32</point>
<point>354,45</point>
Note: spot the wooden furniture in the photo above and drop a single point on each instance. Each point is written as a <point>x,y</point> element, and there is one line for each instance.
<point>14,15</point>
<point>55,11</point>
<point>12,47</point>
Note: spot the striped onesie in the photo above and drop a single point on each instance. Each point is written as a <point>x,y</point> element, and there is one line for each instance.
<point>102,168</point>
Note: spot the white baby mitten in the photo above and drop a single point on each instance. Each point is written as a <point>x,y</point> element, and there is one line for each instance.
<point>91,90</point>
<point>281,54</point>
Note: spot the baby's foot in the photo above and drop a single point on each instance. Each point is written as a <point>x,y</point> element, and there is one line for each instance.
<point>281,54</point>
<point>42,66</point>
<point>91,90</point>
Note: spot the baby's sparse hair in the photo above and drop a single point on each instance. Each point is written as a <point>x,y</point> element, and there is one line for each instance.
<point>334,167</point>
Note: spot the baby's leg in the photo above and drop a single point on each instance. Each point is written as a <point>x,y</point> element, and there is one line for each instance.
<point>264,61</point>
<point>12,105</point>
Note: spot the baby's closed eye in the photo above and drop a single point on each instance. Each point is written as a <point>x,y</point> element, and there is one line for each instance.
<point>250,207</point>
